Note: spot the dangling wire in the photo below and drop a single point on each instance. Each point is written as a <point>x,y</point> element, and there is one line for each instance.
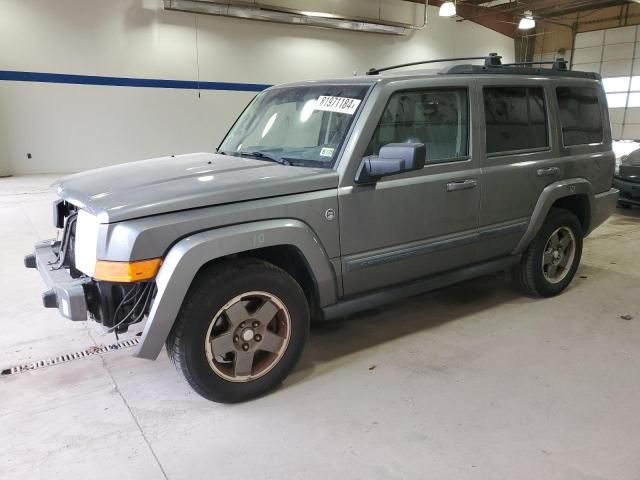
<point>143,295</point>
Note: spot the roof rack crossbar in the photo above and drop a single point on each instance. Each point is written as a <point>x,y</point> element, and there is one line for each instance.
<point>557,64</point>
<point>491,60</point>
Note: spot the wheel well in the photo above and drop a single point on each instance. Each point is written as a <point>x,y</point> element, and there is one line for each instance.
<point>292,261</point>
<point>579,206</point>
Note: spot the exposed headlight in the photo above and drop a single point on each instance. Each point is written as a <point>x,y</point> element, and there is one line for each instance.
<point>617,169</point>
<point>86,246</point>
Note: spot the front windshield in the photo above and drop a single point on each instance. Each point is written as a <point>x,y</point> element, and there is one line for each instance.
<point>302,126</point>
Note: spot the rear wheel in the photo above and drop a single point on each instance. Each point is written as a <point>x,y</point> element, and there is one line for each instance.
<point>240,331</point>
<point>550,262</point>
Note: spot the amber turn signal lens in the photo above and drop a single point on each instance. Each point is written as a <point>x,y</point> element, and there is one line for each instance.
<point>127,271</point>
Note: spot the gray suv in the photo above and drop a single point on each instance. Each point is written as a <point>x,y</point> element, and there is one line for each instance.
<point>331,197</point>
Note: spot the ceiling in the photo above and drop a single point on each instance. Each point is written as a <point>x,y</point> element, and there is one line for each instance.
<point>503,15</point>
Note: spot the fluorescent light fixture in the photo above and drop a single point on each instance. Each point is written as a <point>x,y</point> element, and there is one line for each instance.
<point>273,14</point>
<point>447,9</point>
<point>493,3</point>
<point>527,22</point>
<point>319,14</point>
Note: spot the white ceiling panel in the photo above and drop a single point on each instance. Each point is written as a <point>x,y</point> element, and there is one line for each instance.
<point>587,67</point>
<point>631,131</point>
<point>619,65</point>
<point>587,55</point>
<point>618,68</point>
<point>616,115</point>
<point>620,51</point>
<point>620,35</point>
<point>616,131</point>
<point>589,39</point>
<point>633,115</point>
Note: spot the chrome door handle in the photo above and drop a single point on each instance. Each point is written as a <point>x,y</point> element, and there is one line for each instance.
<point>463,185</point>
<point>543,172</point>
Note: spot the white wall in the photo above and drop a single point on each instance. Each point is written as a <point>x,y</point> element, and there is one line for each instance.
<point>74,127</point>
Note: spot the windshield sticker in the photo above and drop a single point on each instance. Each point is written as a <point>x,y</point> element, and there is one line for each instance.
<point>337,104</point>
<point>327,152</point>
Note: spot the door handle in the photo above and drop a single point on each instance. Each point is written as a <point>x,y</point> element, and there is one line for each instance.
<point>544,172</point>
<point>462,185</point>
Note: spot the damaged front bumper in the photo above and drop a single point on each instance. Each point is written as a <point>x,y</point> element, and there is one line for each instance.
<point>65,293</point>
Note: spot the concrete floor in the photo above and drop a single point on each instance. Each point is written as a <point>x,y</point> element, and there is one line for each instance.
<point>474,381</point>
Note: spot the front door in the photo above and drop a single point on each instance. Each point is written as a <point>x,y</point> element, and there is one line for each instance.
<point>418,223</point>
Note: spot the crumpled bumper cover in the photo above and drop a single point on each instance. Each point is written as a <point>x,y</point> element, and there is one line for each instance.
<point>65,293</point>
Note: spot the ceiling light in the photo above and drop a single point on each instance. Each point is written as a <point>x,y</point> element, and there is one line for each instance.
<point>319,14</point>
<point>527,22</point>
<point>447,9</point>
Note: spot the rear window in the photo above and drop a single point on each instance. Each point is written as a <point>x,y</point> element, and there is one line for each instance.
<point>515,118</point>
<point>580,115</point>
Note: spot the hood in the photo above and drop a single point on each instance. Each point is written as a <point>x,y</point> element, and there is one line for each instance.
<point>630,166</point>
<point>180,182</point>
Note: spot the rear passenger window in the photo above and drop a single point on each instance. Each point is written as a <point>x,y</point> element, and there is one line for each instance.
<point>515,119</point>
<point>439,118</point>
<point>580,115</point>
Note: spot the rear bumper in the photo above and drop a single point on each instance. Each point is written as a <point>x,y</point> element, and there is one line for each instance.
<point>65,293</point>
<point>604,205</point>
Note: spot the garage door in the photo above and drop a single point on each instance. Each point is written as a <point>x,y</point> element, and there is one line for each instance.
<point>615,54</point>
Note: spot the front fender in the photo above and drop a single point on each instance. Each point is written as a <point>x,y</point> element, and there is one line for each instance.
<point>187,256</point>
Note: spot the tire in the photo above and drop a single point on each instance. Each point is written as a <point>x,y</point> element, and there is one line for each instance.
<point>624,205</point>
<point>535,274</point>
<point>218,300</point>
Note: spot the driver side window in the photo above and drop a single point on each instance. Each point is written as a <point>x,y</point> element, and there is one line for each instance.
<point>439,118</point>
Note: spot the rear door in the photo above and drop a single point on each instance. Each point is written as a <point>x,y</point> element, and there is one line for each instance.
<point>519,158</point>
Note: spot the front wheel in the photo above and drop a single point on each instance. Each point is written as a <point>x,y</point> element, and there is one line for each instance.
<point>240,331</point>
<point>550,262</point>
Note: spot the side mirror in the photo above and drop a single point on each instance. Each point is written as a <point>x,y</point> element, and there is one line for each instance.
<point>394,158</point>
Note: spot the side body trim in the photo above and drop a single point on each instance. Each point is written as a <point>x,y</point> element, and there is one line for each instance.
<point>381,297</point>
<point>188,255</point>
<point>392,254</point>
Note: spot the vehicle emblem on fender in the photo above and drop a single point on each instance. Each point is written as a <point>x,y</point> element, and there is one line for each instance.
<point>330,214</point>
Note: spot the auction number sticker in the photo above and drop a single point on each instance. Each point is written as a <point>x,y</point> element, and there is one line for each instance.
<point>337,104</point>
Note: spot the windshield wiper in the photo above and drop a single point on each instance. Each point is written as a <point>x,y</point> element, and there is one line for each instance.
<point>264,156</point>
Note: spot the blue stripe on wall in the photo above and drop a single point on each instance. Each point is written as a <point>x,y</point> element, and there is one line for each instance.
<point>128,82</point>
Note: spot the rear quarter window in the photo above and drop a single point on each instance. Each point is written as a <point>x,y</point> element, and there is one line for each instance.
<point>580,115</point>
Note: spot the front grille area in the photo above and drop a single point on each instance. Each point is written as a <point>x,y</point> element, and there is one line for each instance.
<point>118,305</point>
<point>114,305</point>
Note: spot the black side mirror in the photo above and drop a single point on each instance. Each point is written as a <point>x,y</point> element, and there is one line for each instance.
<point>394,158</point>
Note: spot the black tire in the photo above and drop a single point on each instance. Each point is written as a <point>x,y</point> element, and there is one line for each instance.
<point>528,274</point>
<point>624,205</point>
<point>210,291</point>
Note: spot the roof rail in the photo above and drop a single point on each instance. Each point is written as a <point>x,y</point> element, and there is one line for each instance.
<point>525,68</point>
<point>491,60</point>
